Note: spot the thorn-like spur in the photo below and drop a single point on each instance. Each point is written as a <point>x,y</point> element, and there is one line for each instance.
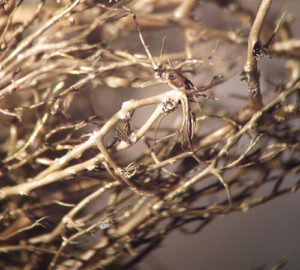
<point>154,65</point>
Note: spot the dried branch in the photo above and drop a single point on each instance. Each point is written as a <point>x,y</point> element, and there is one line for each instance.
<point>108,145</point>
<point>254,51</point>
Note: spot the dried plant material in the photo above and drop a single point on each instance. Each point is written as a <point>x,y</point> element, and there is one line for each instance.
<point>85,188</point>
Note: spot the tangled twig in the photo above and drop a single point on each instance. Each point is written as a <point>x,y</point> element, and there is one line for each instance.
<point>73,171</point>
